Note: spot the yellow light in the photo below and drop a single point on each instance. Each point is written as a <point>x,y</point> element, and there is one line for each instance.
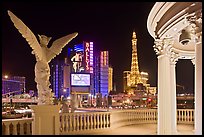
<point>6,76</point>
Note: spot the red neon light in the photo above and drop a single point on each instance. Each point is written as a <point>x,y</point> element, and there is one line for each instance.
<point>87,51</point>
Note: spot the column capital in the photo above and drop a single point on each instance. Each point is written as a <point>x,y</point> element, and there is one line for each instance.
<point>173,57</point>
<point>193,61</point>
<point>163,46</point>
<point>195,21</point>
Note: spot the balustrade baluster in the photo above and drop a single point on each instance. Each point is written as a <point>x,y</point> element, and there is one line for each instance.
<point>100,115</point>
<point>88,123</point>
<point>98,122</point>
<point>62,123</point>
<point>136,116</point>
<point>152,115</point>
<point>182,115</point>
<point>191,112</point>
<point>185,115</point>
<point>107,120</point>
<point>94,121</point>
<point>70,122</point>
<point>104,120</point>
<point>179,113</point>
<point>14,128</point>
<point>21,129</point>
<point>7,129</point>
<point>77,121</point>
<point>149,115</point>
<point>67,122</point>
<point>188,115</point>
<point>81,123</point>
<point>28,128</point>
<point>84,121</point>
<point>74,122</point>
<point>90,120</point>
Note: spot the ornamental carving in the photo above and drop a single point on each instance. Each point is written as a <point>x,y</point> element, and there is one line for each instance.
<point>173,57</point>
<point>163,47</point>
<point>193,60</point>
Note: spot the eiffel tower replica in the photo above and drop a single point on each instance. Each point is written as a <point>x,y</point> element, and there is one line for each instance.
<point>135,76</point>
<point>134,80</point>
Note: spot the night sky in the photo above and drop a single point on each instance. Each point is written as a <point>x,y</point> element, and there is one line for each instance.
<point>108,24</point>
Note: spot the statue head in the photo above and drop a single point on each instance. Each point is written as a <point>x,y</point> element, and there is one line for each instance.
<point>44,40</point>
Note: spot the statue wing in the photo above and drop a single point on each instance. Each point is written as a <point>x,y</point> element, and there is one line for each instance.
<point>58,45</point>
<point>27,34</point>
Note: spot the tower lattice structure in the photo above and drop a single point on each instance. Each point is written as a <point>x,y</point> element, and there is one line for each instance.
<point>135,76</point>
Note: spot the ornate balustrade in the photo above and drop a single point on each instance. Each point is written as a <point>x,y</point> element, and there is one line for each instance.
<point>92,122</point>
<point>84,122</point>
<point>17,126</point>
<point>185,116</point>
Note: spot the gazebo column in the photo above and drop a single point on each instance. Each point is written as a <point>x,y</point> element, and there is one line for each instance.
<point>173,61</point>
<point>166,98</point>
<point>198,88</point>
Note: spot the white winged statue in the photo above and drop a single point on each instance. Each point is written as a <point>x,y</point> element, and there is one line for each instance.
<point>43,56</point>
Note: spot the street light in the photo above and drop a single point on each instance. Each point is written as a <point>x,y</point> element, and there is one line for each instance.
<point>6,76</point>
<point>90,98</point>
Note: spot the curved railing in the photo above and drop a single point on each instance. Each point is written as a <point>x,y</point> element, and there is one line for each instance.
<point>129,117</point>
<point>93,122</point>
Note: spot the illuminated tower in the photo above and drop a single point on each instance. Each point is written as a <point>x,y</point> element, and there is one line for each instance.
<point>134,74</point>
<point>110,79</point>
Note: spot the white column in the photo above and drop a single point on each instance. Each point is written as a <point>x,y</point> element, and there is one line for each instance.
<point>198,89</point>
<point>174,58</point>
<point>46,119</point>
<point>166,103</point>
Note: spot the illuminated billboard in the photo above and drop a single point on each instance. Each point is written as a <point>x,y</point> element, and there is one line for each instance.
<point>82,57</point>
<point>76,55</point>
<point>79,79</point>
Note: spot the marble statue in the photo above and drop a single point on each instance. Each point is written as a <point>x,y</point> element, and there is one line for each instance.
<point>43,56</point>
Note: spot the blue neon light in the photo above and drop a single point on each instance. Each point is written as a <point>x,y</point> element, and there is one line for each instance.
<point>79,47</point>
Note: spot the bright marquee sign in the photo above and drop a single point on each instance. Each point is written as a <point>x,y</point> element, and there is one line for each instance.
<point>88,56</point>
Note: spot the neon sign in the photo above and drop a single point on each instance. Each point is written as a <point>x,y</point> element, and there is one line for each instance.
<point>87,56</point>
<point>91,57</point>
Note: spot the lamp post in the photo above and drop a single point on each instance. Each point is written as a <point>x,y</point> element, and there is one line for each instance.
<point>10,97</point>
<point>90,99</point>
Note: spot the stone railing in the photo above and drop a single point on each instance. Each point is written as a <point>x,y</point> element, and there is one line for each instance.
<point>17,126</point>
<point>93,122</point>
<point>185,116</point>
<point>80,123</point>
<point>129,117</point>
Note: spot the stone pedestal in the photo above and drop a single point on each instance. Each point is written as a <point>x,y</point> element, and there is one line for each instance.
<point>46,119</point>
<point>74,103</point>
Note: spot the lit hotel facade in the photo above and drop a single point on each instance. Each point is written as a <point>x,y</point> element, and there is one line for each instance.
<point>84,63</point>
